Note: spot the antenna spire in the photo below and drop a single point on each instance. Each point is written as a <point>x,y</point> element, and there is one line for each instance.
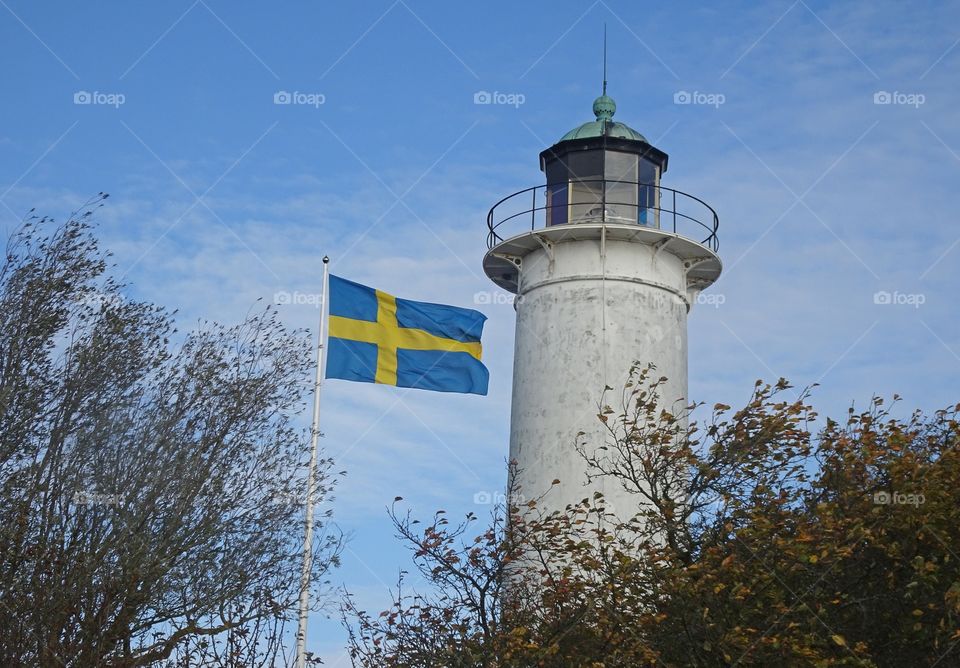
<point>604,107</point>
<point>604,58</point>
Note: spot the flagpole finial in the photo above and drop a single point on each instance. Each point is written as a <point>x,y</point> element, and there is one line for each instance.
<point>326,259</point>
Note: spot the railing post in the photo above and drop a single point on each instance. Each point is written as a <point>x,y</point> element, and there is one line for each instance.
<point>674,211</point>
<point>533,211</point>
<point>603,200</point>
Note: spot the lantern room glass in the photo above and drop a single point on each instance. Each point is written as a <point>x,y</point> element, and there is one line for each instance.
<point>620,181</point>
<point>602,185</point>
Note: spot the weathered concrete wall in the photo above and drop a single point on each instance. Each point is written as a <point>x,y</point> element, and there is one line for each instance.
<point>582,320</point>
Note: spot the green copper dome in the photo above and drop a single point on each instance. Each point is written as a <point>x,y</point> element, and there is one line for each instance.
<point>604,108</point>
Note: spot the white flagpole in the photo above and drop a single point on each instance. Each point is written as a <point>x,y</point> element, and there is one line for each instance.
<point>314,436</point>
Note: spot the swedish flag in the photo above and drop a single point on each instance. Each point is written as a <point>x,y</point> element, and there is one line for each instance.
<point>378,338</point>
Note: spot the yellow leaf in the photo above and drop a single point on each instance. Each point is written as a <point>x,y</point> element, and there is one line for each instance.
<point>840,640</point>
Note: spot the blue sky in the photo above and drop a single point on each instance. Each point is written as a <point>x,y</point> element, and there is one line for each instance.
<point>831,153</point>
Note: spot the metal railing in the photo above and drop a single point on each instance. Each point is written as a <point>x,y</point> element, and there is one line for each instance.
<point>648,205</point>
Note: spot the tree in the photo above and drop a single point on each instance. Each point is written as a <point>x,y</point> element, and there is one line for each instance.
<point>152,492</point>
<point>759,540</point>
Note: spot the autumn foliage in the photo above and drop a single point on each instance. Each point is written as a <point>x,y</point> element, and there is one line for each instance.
<point>763,536</point>
<point>150,482</point>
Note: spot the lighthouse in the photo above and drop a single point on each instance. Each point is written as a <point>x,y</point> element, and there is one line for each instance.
<point>605,264</point>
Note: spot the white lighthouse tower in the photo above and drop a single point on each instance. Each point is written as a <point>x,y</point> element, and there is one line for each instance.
<point>605,264</point>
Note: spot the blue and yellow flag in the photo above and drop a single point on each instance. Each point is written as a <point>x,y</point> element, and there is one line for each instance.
<point>378,338</point>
